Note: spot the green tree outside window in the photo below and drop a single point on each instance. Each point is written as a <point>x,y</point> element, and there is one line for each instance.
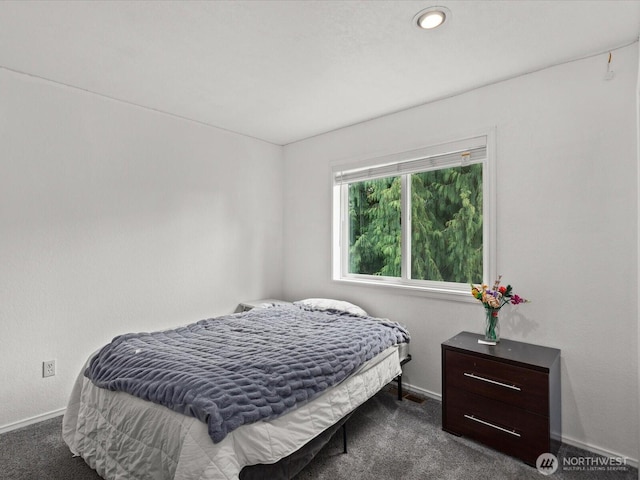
<point>446,225</point>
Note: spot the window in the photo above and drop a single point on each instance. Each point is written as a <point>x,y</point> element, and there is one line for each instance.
<point>421,219</point>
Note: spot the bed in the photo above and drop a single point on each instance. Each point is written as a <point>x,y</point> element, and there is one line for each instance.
<point>155,427</point>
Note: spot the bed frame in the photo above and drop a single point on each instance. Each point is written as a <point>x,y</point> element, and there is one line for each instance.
<point>290,466</point>
<point>398,379</point>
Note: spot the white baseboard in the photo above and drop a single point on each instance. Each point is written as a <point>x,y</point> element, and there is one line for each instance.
<point>421,391</point>
<point>30,421</point>
<point>633,462</point>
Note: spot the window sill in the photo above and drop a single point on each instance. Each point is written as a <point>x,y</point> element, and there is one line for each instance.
<point>462,294</point>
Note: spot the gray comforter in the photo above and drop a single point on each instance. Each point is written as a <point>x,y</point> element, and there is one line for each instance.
<point>242,368</point>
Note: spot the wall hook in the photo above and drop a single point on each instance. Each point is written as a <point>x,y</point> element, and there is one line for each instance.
<point>610,73</point>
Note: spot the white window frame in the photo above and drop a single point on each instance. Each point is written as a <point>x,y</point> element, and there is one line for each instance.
<point>388,165</point>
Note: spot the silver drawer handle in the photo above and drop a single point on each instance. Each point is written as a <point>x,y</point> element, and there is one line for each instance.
<point>513,387</point>
<point>510,432</point>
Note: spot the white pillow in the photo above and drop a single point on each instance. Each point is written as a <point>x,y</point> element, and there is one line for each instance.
<point>331,304</point>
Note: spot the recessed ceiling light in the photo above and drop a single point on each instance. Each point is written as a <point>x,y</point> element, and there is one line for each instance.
<point>431,17</point>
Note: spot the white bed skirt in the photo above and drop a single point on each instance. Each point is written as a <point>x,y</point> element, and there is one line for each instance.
<point>124,437</point>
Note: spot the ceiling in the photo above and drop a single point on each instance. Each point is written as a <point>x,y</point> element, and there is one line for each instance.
<point>282,71</point>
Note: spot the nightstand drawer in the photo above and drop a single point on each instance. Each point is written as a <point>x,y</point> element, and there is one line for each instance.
<point>521,387</point>
<point>497,424</point>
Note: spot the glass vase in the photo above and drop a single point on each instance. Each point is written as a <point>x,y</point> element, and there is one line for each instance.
<point>491,325</point>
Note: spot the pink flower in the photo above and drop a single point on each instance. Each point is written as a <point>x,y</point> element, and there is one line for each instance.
<point>516,299</point>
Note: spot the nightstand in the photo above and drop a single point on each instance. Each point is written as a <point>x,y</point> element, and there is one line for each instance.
<point>245,306</point>
<point>506,396</point>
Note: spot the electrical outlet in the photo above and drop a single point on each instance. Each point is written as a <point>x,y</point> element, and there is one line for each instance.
<point>49,368</point>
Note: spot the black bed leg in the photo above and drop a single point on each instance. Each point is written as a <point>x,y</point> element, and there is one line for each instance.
<point>400,387</point>
<point>344,437</point>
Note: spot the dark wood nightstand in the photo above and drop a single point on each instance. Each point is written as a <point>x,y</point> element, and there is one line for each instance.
<point>506,396</point>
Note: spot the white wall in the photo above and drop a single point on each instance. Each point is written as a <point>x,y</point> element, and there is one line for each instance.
<point>566,232</point>
<point>638,212</point>
<point>113,219</point>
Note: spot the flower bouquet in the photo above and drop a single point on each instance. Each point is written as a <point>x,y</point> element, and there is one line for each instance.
<point>493,300</point>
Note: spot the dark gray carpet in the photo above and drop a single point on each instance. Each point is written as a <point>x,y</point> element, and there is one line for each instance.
<point>387,440</point>
<point>404,440</point>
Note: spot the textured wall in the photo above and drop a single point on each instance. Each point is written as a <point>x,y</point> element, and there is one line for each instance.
<point>114,219</point>
<point>566,232</point>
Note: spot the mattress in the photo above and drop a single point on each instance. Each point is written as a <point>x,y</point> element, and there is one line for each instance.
<point>245,367</point>
<point>124,437</point>
<point>403,351</point>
